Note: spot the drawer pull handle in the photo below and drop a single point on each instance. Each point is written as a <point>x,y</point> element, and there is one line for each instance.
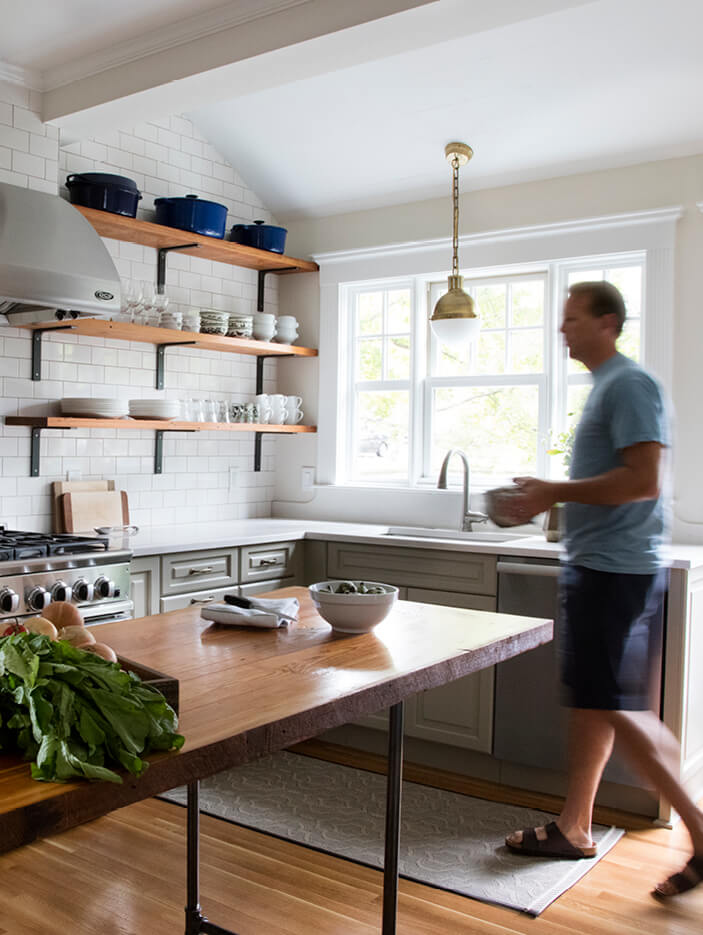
<point>202,600</point>
<point>267,561</point>
<point>201,571</point>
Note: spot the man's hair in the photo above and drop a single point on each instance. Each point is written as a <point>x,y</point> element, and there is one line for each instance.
<point>605,299</point>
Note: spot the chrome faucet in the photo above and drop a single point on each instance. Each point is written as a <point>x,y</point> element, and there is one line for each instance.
<point>467,516</point>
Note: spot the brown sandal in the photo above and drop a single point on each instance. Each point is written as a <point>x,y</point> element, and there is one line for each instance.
<point>555,845</point>
<point>686,879</point>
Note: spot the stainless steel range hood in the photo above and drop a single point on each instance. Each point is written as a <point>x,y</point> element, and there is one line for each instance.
<point>53,264</point>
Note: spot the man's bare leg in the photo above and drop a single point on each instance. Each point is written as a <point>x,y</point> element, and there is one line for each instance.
<point>654,752</point>
<point>590,744</point>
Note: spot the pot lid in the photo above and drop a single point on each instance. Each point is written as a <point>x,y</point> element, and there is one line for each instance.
<point>102,178</point>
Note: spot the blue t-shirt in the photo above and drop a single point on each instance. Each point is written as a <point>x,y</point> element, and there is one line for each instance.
<point>625,406</point>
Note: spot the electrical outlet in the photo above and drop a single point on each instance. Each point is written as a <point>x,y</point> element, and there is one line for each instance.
<point>73,475</point>
<point>307,478</point>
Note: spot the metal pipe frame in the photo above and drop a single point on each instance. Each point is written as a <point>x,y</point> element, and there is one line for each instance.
<point>197,923</point>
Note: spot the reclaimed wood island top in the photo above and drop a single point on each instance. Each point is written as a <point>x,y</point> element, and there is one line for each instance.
<point>245,693</point>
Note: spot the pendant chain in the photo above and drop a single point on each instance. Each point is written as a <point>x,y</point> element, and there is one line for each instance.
<point>455,200</point>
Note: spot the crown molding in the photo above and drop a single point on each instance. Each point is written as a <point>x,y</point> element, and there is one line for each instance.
<point>161,40</point>
<point>631,219</point>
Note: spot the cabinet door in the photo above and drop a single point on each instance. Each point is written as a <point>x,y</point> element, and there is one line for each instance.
<point>144,585</point>
<point>379,721</point>
<point>461,713</point>
<point>261,587</point>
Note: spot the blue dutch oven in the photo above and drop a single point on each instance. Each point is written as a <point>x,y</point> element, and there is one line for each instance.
<point>106,192</point>
<point>260,235</point>
<point>191,213</point>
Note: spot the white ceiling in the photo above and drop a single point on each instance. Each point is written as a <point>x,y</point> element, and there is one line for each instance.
<point>359,117</point>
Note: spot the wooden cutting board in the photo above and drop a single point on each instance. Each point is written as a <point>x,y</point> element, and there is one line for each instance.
<point>83,511</point>
<point>61,487</point>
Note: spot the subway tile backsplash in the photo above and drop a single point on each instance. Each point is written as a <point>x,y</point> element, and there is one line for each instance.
<point>164,157</point>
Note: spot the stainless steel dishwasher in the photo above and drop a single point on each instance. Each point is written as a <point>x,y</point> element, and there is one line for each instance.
<point>530,723</point>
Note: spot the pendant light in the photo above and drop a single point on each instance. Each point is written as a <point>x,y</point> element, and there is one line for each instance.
<point>454,320</point>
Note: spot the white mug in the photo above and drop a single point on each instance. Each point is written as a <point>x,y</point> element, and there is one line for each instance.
<point>293,411</point>
<point>263,401</point>
<point>293,416</point>
<point>278,408</point>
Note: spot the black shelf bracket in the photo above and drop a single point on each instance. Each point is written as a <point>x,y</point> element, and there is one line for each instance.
<point>161,263</point>
<point>35,447</point>
<point>36,347</point>
<point>260,285</point>
<point>160,359</point>
<point>159,447</point>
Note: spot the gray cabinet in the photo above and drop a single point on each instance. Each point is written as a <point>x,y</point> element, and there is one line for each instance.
<point>267,561</point>
<point>459,714</point>
<point>183,572</point>
<point>184,579</point>
<point>145,585</point>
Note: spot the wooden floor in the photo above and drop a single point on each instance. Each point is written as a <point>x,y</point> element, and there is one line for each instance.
<point>125,875</point>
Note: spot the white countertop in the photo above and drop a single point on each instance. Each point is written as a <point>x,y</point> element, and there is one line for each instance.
<point>159,540</point>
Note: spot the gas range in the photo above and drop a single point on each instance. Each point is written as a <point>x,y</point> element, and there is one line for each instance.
<point>37,569</point>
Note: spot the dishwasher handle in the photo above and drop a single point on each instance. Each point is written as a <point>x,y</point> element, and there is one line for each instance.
<point>523,568</point>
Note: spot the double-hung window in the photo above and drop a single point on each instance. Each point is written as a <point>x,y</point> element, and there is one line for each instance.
<point>506,401</point>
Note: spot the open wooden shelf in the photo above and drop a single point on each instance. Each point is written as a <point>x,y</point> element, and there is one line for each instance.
<point>125,331</point>
<point>76,422</point>
<point>148,234</point>
<point>38,424</point>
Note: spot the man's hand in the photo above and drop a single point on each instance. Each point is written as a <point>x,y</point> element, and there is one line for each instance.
<point>536,496</point>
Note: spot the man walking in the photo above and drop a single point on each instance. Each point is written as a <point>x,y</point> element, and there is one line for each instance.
<point>612,585</point>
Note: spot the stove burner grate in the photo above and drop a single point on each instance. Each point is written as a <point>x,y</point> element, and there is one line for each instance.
<point>24,545</point>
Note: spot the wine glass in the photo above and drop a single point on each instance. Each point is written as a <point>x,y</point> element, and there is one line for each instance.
<point>133,300</point>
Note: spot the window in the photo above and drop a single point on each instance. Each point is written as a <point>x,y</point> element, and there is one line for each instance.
<point>506,402</point>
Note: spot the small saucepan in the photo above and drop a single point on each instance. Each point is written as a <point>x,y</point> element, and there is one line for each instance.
<point>260,235</point>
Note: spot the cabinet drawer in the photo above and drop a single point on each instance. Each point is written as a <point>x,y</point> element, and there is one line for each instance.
<point>267,561</point>
<point>448,571</point>
<point>260,587</point>
<point>191,571</point>
<point>179,601</point>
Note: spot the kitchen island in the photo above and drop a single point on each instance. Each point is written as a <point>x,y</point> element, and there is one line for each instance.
<point>246,693</point>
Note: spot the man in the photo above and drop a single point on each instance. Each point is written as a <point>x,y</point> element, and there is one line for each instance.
<point>612,585</point>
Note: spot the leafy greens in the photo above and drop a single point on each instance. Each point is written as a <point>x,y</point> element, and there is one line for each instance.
<point>74,714</point>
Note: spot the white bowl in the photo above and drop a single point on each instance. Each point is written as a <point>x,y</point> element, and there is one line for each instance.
<point>353,613</point>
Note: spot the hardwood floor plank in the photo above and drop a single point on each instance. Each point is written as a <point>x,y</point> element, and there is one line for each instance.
<point>124,874</point>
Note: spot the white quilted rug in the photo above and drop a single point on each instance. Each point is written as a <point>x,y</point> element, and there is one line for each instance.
<point>451,841</point>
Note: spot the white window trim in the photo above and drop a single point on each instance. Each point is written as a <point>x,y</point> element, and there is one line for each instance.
<point>651,232</point>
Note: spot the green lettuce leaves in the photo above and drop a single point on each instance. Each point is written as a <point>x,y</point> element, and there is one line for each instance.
<point>74,714</point>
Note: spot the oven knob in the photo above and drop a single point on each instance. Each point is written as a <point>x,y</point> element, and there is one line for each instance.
<point>83,590</point>
<point>9,600</point>
<point>61,591</point>
<point>38,598</point>
<point>104,587</point>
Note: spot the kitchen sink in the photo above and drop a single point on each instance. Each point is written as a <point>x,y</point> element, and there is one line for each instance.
<point>483,535</point>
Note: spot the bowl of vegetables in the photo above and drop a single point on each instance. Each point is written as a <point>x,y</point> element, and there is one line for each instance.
<point>353,606</point>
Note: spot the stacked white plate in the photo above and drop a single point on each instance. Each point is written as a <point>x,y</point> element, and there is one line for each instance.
<point>155,408</point>
<point>94,408</point>
<point>213,321</point>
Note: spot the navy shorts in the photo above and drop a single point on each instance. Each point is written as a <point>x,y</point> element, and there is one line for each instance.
<point>610,635</point>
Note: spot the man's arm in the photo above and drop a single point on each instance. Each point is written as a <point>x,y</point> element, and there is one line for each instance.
<point>637,478</point>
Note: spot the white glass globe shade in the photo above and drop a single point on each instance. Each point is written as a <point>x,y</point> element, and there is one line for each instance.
<point>453,331</point>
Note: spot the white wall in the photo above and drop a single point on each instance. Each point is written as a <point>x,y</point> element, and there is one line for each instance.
<point>165,157</point>
<point>636,188</point>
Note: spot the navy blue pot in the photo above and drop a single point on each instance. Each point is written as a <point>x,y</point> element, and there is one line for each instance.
<point>192,214</point>
<point>260,235</point>
<point>106,192</point>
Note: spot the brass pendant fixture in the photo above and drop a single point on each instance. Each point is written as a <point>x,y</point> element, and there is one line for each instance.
<point>454,320</point>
